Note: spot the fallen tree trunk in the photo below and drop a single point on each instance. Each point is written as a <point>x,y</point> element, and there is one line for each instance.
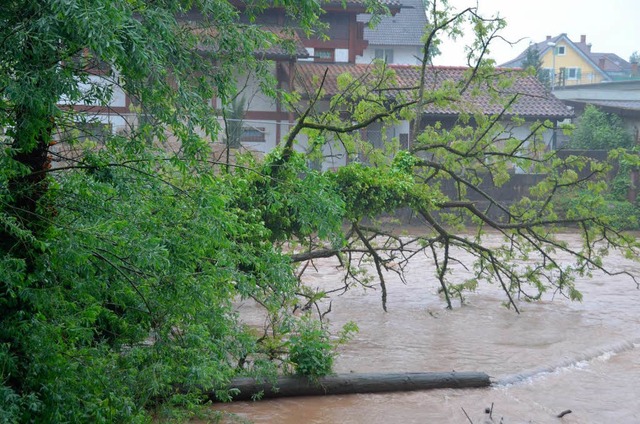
<point>338,384</point>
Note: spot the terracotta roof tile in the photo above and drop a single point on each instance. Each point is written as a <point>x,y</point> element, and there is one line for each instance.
<point>533,100</point>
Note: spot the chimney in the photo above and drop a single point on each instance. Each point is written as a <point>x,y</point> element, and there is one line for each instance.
<point>548,37</point>
<point>601,63</point>
<point>583,39</point>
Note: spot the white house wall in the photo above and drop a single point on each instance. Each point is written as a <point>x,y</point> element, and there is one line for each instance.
<point>522,132</point>
<point>118,97</point>
<point>341,55</point>
<point>255,102</point>
<point>269,130</point>
<point>402,55</point>
<point>255,99</point>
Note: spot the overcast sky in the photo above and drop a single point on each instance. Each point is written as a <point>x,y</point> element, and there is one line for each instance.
<point>611,26</point>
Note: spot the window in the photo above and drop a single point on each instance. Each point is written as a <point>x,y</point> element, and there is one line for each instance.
<point>374,135</point>
<point>324,55</point>
<point>561,50</point>
<point>404,141</point>
<point>384,54</point>
<point>573,73</point>
<point>252,135</point>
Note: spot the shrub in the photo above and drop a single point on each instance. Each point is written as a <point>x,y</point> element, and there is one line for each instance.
<point>311,352</point>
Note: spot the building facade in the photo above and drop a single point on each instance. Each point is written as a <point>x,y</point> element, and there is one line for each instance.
<point>396,39</point>
<point>573,63</point>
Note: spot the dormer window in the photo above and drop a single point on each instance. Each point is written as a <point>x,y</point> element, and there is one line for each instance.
<point>324,55</point>
<point>384,54</point>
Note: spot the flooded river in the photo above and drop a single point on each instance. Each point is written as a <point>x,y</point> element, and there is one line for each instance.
<point>556,355</point>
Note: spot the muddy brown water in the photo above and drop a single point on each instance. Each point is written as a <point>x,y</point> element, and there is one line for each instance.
<point>556,355</point>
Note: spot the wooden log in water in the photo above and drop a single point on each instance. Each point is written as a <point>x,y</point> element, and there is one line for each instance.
<point>339,384</point>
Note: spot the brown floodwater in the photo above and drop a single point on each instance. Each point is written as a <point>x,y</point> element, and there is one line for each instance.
<point>556,355</point>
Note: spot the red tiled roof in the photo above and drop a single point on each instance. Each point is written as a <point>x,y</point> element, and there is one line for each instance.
<point>533,99</point>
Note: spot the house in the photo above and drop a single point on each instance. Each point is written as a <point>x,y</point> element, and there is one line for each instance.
<point>573,63</point>
<point>345,32</point>
<point>613,65</point>
<point>266,122</point>
<point>396,39</point>
<point>531,102</point>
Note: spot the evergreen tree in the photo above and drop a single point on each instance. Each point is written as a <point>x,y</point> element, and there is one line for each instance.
<point>533,60</point>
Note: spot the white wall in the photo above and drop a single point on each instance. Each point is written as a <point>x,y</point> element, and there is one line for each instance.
<point>269,128</point>
<point>402,55</point>
<point>341,55</point>
<point>522,132</point>
<point>311,52</point>
<point>118,97</point>
<point>255,99</point>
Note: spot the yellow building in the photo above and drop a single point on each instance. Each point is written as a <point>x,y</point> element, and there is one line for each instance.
<point>573,63</point>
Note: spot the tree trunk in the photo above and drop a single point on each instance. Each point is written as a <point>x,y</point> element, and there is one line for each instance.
<point>32,137</point>
<point>354,383</point>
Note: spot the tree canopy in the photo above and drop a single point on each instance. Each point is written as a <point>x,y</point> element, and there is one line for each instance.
<point>120,263</point>
<point>598,130</point>
<point>533,60</point>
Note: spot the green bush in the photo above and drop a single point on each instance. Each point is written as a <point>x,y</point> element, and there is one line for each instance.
<point>311,351</point>
<point>597,130</point>
<point>624,215</point>
<point>620,214</point>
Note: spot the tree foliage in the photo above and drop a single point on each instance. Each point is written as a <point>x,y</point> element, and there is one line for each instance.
<point>121,265</point>
<point>533,60</point>
<point>598,130</point>
<point>474,158</point>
